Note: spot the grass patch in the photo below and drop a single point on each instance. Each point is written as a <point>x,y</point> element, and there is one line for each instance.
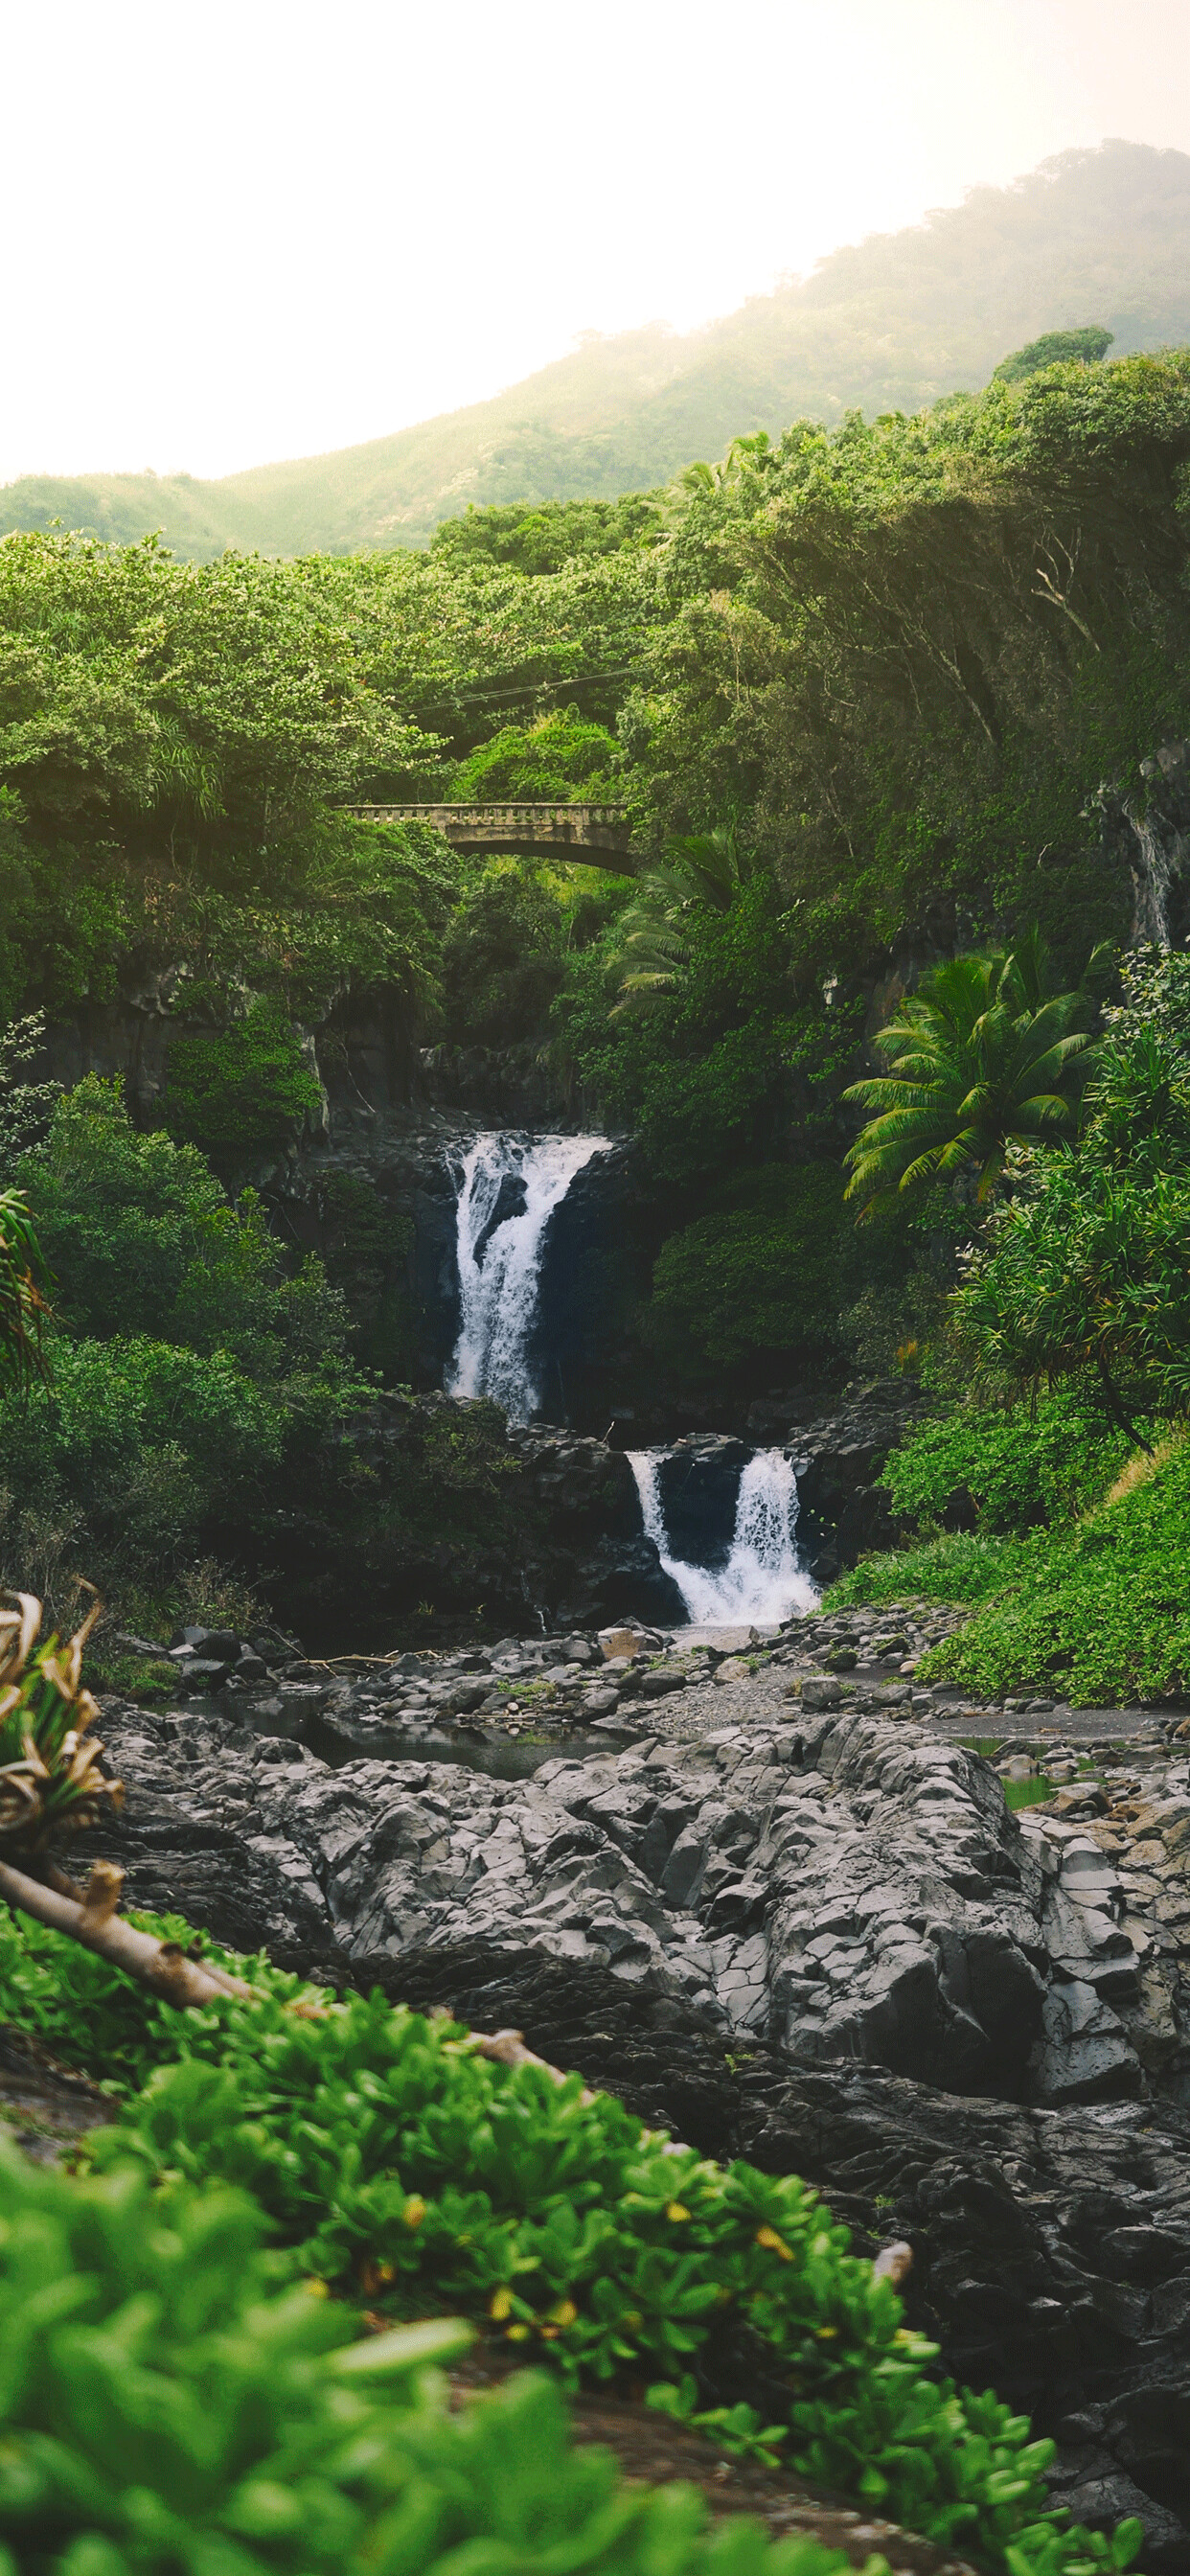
<point>1143,1465</point>
<point>153,1681</point>
<point>951,1566</point>
<point>1096,1612</point>
<point>1100,1612</point>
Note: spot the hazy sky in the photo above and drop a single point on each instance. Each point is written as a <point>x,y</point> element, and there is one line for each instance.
<point>248,230</point>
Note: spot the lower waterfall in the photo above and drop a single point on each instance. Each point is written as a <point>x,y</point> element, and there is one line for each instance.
<point>762,1581</point>
<point>510,1187</point>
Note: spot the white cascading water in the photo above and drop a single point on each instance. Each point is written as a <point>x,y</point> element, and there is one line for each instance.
<point>762,1581</point>
<point>499,1278</point>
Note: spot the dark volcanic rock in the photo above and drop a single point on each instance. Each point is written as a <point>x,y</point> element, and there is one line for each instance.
<point>1051,2258</point>
<point>843,1510</point>
<point>700,1484</point>
<point>554,1537</point>
<point>824,1946</point>
<point>511,1198</point>
<point>843,1888</point>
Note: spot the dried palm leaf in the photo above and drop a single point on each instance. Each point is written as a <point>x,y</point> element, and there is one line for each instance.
<point>51,1783</point>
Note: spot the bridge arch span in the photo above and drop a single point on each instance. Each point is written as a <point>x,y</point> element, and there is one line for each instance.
<point>590,836</point>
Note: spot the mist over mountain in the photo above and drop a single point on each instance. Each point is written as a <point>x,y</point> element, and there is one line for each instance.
<point>891,324</point>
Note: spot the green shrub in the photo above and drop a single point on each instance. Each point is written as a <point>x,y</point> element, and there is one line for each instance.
<point>543,536</point>
<point>86,2012</point>
<point>1094,1611</point>
<point>152,1680</point>
<point>168,2409</point>
<point>1084,1273</point>
<point>242,1093</point>
<point>505,953</point>
<point>1055,348</point>
<point>766,1270</point>
<point>150,1456</point>
<point>1099,1613</point>
<point>503,960</point>
<point>143,1240</point>
<point>369,1244</point>
<point>391,2157</point>
<point>1020,1466</point>
<point>558,758</point>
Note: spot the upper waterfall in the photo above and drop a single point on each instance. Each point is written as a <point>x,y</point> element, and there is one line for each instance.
<point>509,1188</point>
<point>763,1579</point>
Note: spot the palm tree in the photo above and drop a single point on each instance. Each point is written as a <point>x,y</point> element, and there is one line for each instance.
<point>697,480</point>
<point>985,1056</point>
<point>697,868</point>
<point>22,1307</point>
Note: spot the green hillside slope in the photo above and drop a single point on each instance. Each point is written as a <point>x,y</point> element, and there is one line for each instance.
<point>1093,236</point>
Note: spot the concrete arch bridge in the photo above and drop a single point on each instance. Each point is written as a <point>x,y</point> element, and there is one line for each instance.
<point>592,836</point>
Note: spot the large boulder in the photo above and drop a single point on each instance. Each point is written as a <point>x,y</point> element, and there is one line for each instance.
<point>838,1459</point>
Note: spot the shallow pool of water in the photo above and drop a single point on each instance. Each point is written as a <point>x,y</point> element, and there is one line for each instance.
<point>501,1757</point>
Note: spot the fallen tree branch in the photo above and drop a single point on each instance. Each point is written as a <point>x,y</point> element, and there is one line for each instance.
<point>163,1966</point>
<point>894,2263</point>
<point>507,2048</point>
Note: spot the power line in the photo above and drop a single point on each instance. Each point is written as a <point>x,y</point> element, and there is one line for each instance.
<point>577,680</point>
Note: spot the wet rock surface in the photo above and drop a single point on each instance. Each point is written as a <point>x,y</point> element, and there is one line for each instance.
<point>565,1541</point>
<point>837,1459</point>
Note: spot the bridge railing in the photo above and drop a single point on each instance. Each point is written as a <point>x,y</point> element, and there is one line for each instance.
<point>513,815</point>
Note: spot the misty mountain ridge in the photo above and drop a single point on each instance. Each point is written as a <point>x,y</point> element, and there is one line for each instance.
<point>889,324</point>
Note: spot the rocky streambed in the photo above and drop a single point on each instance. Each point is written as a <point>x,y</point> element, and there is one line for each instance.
<point>791,1919</point>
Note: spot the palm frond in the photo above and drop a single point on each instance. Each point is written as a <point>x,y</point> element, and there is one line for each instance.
<point>23,1308</point>
<point>982,1056</point>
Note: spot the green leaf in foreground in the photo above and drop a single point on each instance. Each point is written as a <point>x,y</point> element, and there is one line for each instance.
<point>390,2159</point>
<point>167,2408</point>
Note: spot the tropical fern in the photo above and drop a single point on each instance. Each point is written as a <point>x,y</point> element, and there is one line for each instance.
<point>699,868</point>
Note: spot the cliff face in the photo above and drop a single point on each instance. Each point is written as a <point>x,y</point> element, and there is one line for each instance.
<point>1149,834</point>
<point>430,1517</point>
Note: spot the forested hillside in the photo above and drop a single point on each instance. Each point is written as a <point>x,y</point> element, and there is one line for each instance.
<point>892,323</point>
<point>881,1062</point>
<point>872,696</point>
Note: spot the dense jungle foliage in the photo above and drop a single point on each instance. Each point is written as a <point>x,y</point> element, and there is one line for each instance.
<point>1053,1498</point>
<point>901,656</point>
<point>870,696</point>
